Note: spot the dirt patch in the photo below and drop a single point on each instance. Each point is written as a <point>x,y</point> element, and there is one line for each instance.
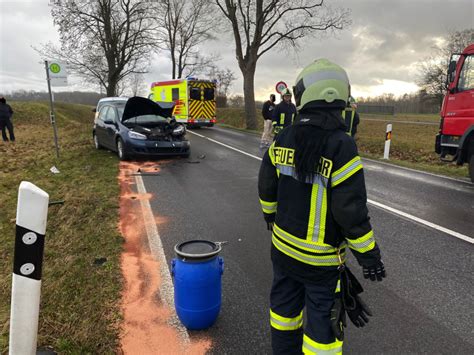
<point>146,325</point>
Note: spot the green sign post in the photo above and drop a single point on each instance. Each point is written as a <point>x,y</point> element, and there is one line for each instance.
<point>53,68</point>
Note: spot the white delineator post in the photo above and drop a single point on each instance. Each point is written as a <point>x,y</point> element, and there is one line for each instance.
<point>388,139</point>
<point>31,217</point>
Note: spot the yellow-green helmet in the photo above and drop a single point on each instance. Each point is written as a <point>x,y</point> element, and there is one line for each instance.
<point>286,92</point>
<point>321,84</point>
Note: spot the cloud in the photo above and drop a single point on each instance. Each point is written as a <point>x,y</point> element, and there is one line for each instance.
<point>380,50</point>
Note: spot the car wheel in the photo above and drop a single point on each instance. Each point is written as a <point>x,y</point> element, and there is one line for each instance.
<point>96,142</point>
<point>122,154</point>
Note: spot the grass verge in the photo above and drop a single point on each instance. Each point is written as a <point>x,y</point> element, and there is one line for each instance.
<point>80,310</point>
<point>412,145</point>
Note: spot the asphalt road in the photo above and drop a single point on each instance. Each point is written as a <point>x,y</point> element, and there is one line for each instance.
<point>424,306</point>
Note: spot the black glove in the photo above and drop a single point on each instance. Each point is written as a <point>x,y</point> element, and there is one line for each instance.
<point>356,309</point>
<point>338,319</point>
<point>360,314</point>
<point>374,272</point>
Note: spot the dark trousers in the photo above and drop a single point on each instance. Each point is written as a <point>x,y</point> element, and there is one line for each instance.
<point>288,298</point>
<point>4,125</point>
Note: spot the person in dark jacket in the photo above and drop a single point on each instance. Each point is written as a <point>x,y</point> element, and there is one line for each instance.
<point>284,113</point>
<point>312,191</point>
<point>6,113</point>
<point>351,117</point>
<point>267,113</point>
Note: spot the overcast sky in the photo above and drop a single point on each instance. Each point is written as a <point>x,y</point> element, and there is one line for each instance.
<point>380,50</point>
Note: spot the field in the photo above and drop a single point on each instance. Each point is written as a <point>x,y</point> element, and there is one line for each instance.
<point>80,310</point>
<point>412,144</point>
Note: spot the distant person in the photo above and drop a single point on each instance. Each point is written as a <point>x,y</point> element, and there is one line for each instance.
<point>6,113</point>
<point>351,117</point>
<point>284,113</point>
<point>267,113</point>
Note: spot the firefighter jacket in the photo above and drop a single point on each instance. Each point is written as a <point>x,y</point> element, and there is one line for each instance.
<point>316,220</point>
<point>283,115</point>
<point>351,119</point>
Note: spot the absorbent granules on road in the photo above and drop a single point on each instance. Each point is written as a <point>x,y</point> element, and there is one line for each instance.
<point>149,323</point>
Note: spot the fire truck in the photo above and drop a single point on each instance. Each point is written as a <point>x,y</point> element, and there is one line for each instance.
<point>194,99</point>
<point>456,131</point>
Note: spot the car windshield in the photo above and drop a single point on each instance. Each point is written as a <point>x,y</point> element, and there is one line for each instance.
<point>144,120</point>
<point>114,102</point>
<point>120,110</point>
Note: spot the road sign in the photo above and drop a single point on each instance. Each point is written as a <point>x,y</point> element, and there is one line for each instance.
<point>55,69</point>
<point>280,86</point>
<point>57,73</point>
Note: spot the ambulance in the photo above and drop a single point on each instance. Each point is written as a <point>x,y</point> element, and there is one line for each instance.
<point>195,103</point>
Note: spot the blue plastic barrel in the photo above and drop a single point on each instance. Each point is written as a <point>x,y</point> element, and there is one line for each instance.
<point>197,273</point>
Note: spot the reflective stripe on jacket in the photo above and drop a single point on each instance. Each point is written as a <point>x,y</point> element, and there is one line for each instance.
<point>284,114</point>
<point>351,119</point>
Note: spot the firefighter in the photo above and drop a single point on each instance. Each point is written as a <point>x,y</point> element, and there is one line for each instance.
<point>284,113</point>
<point>312,191</point>
<point>351,117</point>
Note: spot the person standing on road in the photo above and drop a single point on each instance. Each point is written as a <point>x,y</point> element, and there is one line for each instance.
<point>284,113</point>
<point>312,191</point>
<point>267,113</point>
<point>351,117</point>
<point>6,113</point>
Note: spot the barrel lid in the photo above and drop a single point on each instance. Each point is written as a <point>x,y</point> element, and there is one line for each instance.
<point>197,249</point>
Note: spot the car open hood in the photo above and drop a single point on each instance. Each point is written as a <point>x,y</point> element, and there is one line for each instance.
<point>139,106</point>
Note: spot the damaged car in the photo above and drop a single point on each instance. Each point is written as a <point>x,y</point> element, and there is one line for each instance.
<point>139,127</point>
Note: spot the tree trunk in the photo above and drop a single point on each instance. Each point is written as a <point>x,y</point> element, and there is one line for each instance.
<point>112,87</point>
<point>249,98</point>
<point>173,64</point>
<point>111,90</point>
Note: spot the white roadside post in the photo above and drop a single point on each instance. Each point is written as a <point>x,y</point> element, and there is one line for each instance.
<point>388,139</point>
<point>31,217</point>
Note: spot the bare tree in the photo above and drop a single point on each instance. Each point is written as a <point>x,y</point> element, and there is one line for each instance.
<point>224,77</point>
<point>259,25</point>
<point>135,85</point>
<point>185,26</point>
<point>433,69</point>
<point>103,41</point>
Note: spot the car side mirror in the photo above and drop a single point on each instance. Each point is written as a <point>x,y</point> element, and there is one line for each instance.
<point>451,71</point>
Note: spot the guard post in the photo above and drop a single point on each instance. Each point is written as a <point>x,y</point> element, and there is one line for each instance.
<point>31,218</point>
<point>388,139</point>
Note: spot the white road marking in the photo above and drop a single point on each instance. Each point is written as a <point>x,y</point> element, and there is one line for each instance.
<point>227,146</point>
<point>156,247</point>
<point>418,171</point>
<point>422,221</point>
<point>372,202</point>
